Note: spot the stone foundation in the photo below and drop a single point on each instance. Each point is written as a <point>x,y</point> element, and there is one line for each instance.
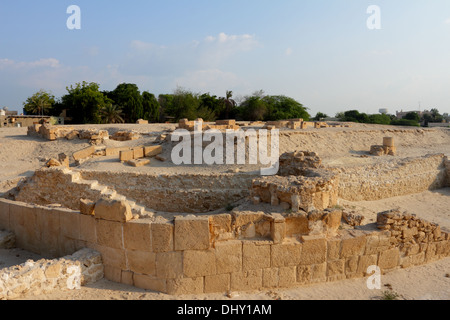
<point>238,252</point>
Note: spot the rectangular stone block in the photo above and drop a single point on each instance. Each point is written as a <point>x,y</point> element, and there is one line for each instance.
<point>199,263</point>
<point>152,151</point>
<point>169,265</point>
<point>88,230</point>
<point>217,283</point>
<point>113,274</point>
<point>192,233</point>
<point>353,246</point>
<point>162,237</point>
<point>314,250</point>
<point>287,276</point>
<point>335,268</point>
<point>109,152</point>
<point>109,234</point>
<point>278,229</point>
<point>389,259</point>
<point>84,154</point>
<point>271,277</point>
<point>126,155</point>
<point>247,280</point>
<point>142,262</point>
<point>138,162</point>
<point>228,256</point>
<point>113,210</point>
<point>138,153</point>
<point>318,272</point>
<point>181,286</point>
<point>304,274</point>
<point>226,122</point>
<point>286,254</point>
<point>49,226</point>
<point>333,249</point>
<point>31,237</point>
<point>365,262</point>
<point>112,257</point>
<point>17,222</point>
<point>149,283</point>
<point>255,255</point>
<point>137,235</point>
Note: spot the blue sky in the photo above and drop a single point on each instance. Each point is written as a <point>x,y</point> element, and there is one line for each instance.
<point>319,52</point>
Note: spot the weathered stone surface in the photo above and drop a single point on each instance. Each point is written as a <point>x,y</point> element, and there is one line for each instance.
<point>162,237</point>
<point>113,210</point>
<point>247,280</point>
<point>87,207</point>
<point>126,155</point>
<point>7,240</point>
<point>138,162</point>
<point>217,283</point>
<point>286,254</point>
<point>228,256</point>
<point>142,262</point>
<point>197,263</point>
<point>83,154</point>
<point>255,255</point>
<point>109,234</point>
<point>192,233</point>
<point>137,235</point>
<point>314,250</point>
<point>169,265</point>
<point>152,151</point>
<point>389,259</point>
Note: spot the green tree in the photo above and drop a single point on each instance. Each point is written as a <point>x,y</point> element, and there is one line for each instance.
<point>41,103</point>
<point>319,116</point>
<point>412,116</point>
<point>150,106</point>
<point>111,113</point>
<point>229,104</point>
<point>84,102</point>
<point>184,104</point>
<point>128,96</point>
<point>282,108</point>
<point>253,108</point>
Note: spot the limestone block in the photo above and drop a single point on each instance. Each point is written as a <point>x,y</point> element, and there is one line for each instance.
<point>247,280</point>
<point>217,283</point>
<point>388,142</point>
<point>152,151</point>
<point>353,246</point>
<point>287,276</point>
<point>270,278</point>
<point>169,265</point>
<point>255,255</point>
<point>138,153</point>
<point>141,121</point>
<point>198,263</point>
<point>226,122</point>
<point>304,274</point>
<point>84,154</point>
<point>162,237</point>
<point>113,210</point>
<point>318,272</point>
<point>138,162</point>
<point>314,250</point>
<point>335,268</point>
<point>88,230</point>
<point>192,233</point>
<point>109,234</point>
<point>126,155</point>
<point>112,257</point>
<point>286,254</point>
<point>87,207</point>
<point>228,256</point>
<point>389,259</point>
<point>149,282</point>
<point>377,150</point>
<point>142,262</point>
<point>333,249</point>
<point>137,235</point>
<point>181,286</point>
<point>278,229</point>
<point>113,274</point>
<point>53,163</point>
<point>49,225</point>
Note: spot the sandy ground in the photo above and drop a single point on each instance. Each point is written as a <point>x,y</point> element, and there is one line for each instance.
<point>21,155</point>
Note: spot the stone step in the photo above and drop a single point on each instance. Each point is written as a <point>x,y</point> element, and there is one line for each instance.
<point>109,193</point>
<point>91,183</point>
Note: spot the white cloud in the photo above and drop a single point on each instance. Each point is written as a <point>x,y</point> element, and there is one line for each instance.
<point>24,65</point>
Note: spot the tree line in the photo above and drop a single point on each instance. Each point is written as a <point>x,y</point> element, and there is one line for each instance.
<point>85,103</point>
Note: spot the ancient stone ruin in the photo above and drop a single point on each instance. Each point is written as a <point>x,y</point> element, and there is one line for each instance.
<point>163,232</point>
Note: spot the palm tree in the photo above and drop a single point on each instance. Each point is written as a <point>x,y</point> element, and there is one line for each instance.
<point>111,114</point>
<point>40,103</point>
<point>230,104</point>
